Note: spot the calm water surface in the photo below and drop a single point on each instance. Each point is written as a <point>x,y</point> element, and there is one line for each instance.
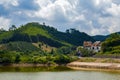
<point>54,73</point>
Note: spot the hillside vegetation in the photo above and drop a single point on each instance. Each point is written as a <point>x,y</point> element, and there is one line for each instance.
<point>37,43</point>
<point>112,44</point>
<point>35,32</point>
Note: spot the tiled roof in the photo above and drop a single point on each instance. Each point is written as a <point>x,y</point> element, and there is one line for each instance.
<point>97,43</point>
<point>89,43</point>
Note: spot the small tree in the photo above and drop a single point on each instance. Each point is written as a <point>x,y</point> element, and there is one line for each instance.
<point>13,27</point>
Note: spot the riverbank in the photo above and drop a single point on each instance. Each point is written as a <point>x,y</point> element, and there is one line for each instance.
<point>92,65</point>
<point>95,63</point>
<point>82,63</point>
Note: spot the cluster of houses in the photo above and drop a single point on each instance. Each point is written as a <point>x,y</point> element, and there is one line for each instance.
<point>96,46</point>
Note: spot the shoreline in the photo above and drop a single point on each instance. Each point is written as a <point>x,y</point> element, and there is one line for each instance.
<point>30,65</point>
<point>93,66</point>
<point>26,65</point>
<point>73,65</point>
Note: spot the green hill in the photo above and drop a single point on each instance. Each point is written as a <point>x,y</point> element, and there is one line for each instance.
<point>37,33</point>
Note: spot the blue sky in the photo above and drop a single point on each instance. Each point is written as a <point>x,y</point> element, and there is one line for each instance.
<point>91,16</point>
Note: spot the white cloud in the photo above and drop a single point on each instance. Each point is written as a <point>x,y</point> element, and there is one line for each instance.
<point>8,3</point>
<point>110,24</point>
<point>114,10</point>
<point>78,13</point>
<point>4,23</point>
<point>15,3</point>
<point>51,10</point>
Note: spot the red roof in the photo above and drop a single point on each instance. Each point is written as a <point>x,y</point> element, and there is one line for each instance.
<point>89,43</point>
<point>97,43</point>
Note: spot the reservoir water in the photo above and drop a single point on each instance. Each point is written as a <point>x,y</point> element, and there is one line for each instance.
<point>55,73</point>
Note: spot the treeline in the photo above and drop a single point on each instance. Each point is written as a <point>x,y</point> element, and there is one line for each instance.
<point>34,58</point>
<point>25,52</point>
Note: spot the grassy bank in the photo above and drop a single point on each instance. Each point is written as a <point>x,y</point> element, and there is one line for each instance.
<point>99,60</point>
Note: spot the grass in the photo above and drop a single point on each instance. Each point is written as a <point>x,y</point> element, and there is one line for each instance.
<point>6,35</point>
<point>99,60</point>
<point>20,46</point>
<point>87,59</point>
<point>35,31</point>
<point>44,47</point>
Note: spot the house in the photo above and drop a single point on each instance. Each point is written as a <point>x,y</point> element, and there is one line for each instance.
<point>96,46</point>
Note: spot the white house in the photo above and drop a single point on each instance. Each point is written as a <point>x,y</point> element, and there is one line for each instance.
<point>96,46</point>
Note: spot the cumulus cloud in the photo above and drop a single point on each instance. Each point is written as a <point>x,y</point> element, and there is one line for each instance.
<point>4,23</point>
<point>114,9</point>
<point>93,17</point>
<point>8,3</point>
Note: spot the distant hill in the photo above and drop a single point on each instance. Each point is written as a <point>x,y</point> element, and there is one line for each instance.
<point>102,37</point>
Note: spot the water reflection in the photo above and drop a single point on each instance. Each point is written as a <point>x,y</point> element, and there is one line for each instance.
<point>34,69</point>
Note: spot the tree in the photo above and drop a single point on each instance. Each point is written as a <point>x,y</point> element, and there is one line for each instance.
<point>67,31</point>
<point>13,27</point>
<point>17,59</point>
<point>2,30</point>
<point>84,52</point>
<point>52,51</point>
<point>44,23</point>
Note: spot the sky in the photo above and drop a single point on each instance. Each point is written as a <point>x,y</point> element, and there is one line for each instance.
<point>95,17</point>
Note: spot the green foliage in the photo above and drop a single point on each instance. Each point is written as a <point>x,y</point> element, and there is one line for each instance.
<point>20,46</point>
<point>84,52</point>
<point>112,44</point>
<point>7,57</point>
<point>17,58</point>
<point>66,50</point>
<point>62,59</point>
<point>35,32</point>
<point>34,57</point>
